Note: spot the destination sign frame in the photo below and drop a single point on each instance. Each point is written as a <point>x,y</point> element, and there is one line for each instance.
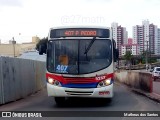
<point>80,32</point>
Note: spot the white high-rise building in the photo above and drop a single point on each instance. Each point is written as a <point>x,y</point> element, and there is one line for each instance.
<point>157,47</point>
<point>145,33</point>
<point>114,30</point>
<point>125,36</point>
<point>120,35</point>
<point>145,36</point>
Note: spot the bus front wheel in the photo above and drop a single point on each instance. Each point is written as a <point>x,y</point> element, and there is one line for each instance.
<point>59,100</point>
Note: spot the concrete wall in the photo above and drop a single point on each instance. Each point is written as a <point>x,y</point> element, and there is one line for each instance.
<point>20,78</point>
<point>8,49</point>
<point>138,80</point>
<point>35,39</point>
<point>27,46</point>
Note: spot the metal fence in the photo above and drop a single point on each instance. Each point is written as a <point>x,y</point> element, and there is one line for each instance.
<point>20,78</point>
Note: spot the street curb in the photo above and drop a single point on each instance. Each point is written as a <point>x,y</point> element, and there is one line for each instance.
<point>149,95</point>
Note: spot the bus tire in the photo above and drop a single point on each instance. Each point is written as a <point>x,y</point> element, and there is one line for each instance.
<point>59,100</point>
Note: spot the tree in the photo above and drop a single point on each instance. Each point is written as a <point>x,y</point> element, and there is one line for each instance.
<point>128,57</point>
<point>143,57</point>
<point>150,59</point>
<point>42,41</point>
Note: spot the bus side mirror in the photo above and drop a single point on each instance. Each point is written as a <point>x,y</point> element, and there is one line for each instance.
<point>116,55</point>
<point>42,49</point>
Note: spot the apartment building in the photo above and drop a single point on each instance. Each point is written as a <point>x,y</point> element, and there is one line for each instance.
<point>130,46</point>
<point>120,35</point>
<point>145,36</point>
<point>158,42</point>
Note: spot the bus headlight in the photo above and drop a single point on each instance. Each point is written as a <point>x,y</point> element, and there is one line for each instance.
<point>54,82</point>
<point>104,83</point>
<point>107,82</point>
<point>50,80</point>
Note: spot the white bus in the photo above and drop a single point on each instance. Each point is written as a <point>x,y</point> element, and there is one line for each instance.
<point>80,62</point>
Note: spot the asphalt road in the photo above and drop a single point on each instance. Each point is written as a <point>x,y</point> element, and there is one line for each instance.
<point>124,100</point>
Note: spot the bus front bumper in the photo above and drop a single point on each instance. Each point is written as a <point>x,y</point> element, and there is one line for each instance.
<point>103,92</point>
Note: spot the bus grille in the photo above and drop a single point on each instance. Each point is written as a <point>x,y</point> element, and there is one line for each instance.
<point>79,92</point>
<point>80,80</point>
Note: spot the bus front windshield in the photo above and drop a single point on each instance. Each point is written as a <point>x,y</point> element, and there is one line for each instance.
<point>78,56</point>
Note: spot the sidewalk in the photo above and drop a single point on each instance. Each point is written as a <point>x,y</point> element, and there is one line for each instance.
<point>154,96</point>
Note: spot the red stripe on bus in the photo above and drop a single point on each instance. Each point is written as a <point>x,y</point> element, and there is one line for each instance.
<point>76,80</point>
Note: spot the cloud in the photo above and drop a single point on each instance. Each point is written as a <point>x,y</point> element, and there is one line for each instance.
<point>28,16</point>
<point>13,3</point>
<point>99,0</point>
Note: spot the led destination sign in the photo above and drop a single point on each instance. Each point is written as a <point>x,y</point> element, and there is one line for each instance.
<point>80,32</point>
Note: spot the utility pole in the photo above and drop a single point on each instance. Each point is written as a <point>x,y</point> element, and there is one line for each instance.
<point>147,56</point>
<point>13,42</point>
<point>150,49</point>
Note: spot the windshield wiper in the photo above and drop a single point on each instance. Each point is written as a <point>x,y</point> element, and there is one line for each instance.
<point>89,46</point>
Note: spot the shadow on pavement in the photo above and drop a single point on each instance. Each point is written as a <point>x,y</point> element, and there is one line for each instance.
<point>85,102</point>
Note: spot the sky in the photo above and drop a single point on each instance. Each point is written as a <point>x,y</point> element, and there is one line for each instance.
<point>23,19</point>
